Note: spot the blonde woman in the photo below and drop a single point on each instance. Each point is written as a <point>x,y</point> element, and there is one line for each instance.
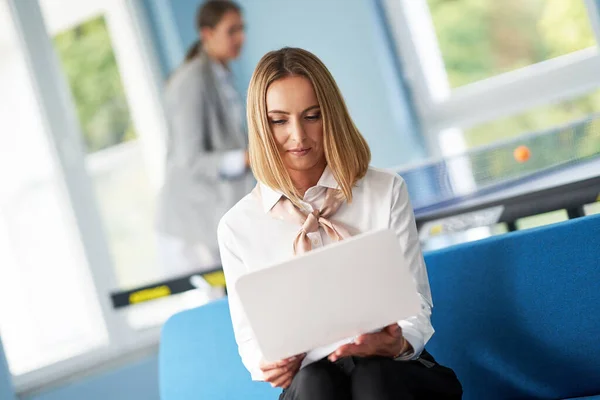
<point>312,165</point>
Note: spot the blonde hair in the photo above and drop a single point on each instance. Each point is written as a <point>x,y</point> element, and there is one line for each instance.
<point>346,151</point>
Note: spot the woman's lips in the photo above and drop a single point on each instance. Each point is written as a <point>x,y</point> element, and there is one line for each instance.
<point>300,152</point>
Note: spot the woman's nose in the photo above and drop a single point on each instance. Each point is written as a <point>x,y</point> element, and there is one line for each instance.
<point>297,132</point>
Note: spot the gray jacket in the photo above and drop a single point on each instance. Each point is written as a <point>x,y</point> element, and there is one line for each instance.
<point>195,195</point>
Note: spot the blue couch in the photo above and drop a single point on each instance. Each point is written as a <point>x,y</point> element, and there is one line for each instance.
<point>517,317</point>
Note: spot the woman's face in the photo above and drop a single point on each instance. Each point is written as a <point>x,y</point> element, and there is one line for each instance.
<point>295,118</point>
<point>226,39</point>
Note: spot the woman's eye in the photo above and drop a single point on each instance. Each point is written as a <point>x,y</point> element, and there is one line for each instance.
<point>313,117</point>
<point>278,121</point>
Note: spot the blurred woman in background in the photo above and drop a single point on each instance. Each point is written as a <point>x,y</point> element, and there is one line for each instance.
<point>206,168</point>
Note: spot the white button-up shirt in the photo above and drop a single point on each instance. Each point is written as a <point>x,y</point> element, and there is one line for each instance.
<point>250,239</point>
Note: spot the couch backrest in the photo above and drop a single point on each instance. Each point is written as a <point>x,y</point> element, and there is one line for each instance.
<point>518,315</point>
<point>198,359</point>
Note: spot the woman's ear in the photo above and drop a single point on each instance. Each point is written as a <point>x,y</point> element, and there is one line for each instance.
<point>206,34</point>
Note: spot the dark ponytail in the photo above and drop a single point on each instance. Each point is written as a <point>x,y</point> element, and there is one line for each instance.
<point>193,50</point>
<point>209,15</point>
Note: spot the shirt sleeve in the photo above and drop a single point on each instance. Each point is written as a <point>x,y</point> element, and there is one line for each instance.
<point>417,330</point>
<point>233,164</point>
<point>191,129</point>
<point>234,268</point>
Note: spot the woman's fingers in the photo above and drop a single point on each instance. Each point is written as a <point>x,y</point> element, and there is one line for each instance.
<point>273,375</point>
<point>370,344</point>
<point>366,338</point>
<point>277,373</point>
<point>265,366</point>
<point>287,383</point>
<point>393,330</point>
<point>346,350</point>
<point>284,378</point>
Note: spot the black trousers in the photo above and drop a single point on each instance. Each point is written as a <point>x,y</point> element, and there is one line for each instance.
<point>374,378</point>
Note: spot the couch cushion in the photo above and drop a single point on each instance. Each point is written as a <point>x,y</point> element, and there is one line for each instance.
<point>198,359</point>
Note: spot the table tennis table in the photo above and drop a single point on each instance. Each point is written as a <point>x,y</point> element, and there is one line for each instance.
<point>562,174</point>
<point>568,187</point>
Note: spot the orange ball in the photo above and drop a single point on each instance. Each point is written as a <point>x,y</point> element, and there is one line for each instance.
<point>522,154</point>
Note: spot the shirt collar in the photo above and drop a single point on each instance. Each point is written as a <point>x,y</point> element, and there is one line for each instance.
<point>221,72</point>
<point>270,196</point>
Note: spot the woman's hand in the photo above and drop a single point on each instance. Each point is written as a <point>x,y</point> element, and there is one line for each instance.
<point>388,342</point>
<point>281,373</point>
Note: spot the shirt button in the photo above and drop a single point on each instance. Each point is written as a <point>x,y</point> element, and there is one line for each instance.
<point>315,242</point>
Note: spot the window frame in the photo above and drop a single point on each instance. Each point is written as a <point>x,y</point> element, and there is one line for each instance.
<point>442,109</point>
<point>61,125</point>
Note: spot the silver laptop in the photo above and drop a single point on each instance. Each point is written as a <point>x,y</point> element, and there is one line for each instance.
<point>329,294</point>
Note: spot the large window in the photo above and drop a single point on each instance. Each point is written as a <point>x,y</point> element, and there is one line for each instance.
<point>114,152</point>
<point>49,308</point>
<point>487,76</point>
<point>483,71</point>
<point>81,155</point>
<point>481,39</point>
<point>89,63</point>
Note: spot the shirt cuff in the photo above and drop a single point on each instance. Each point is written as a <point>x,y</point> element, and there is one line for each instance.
<point>233,164</point>
<point>257,375</point>
<point>251,358</point>
<point>415,338</point>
